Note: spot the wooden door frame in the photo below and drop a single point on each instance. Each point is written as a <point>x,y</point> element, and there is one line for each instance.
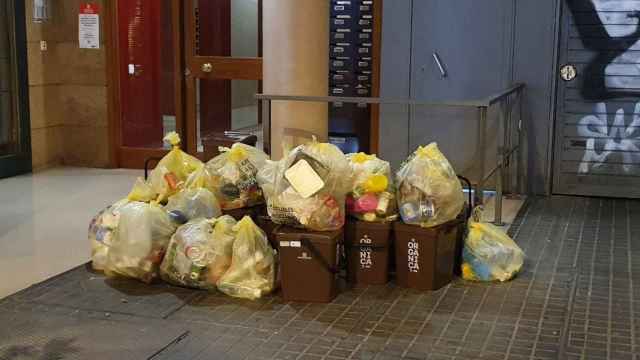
<point>224,67</point>
<point>132,157</point>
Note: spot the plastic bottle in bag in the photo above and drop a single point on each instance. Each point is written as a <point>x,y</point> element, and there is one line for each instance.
<point>168,176</point>
<point>234,176</point>
<point>252,271</point>
<point>307,188</point>
<point>140,241</point>
<point>429,192</point>
<point>101,233</point>
<point>199,253</point>
<point>489,254</point>
<point>372,197</point>
<point>189,204</point>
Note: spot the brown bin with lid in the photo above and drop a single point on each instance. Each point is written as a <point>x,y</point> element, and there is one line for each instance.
<point>309,264</point>
<point>425,257</point>
<point>367,246</point>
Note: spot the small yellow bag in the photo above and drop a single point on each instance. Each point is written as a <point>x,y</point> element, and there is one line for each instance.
<point>169,175</point>
<point>489,253</point>
<point>252,272</point>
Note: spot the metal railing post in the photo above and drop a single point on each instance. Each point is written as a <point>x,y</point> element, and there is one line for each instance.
<point>521,144</point>
<point>266,126</point>
<point>506,150</point>
<point>500,172</point>
<point>482,126</point>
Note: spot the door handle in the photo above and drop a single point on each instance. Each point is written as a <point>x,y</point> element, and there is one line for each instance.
<point>207,67</point>
<point>436,58</point>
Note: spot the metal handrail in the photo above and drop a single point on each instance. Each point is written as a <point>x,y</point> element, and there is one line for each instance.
<point>493,99</point>
<point>504,152</point>
<point>486,102</point>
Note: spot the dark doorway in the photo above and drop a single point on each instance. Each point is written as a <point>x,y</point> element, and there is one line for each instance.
<point>15,144</point>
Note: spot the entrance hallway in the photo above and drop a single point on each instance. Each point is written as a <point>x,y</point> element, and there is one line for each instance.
<point>45,217</point>
<point>577,298</point>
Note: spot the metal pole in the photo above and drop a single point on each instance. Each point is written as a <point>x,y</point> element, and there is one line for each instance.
<point>521,143</point>
<point>266,126</point>
<point>482,144</point>
<point>500,156</point>
<point>506,178</point>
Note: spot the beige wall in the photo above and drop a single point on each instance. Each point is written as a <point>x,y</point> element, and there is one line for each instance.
<point>67,90</point>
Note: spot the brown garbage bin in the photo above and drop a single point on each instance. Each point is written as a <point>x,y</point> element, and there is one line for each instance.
<point>367,245</point>
<point>269,227</point>
<point>212,141</point>
<point>309,264</point>
<point>425,257</point>
<point>238,214</point>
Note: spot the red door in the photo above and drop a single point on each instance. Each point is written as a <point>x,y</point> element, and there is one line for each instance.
<point>139,25</point>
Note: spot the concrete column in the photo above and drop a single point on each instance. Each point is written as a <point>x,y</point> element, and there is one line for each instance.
<point>296,62</point>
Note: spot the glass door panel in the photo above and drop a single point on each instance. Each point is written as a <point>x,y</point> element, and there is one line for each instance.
<point>231,108</point>
<point>226,28</point>
<point>224,70</point>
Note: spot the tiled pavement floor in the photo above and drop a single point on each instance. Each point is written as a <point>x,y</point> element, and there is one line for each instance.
<point>577,298</point>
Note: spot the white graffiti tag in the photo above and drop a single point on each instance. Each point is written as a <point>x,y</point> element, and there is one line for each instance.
<point>604,140</point>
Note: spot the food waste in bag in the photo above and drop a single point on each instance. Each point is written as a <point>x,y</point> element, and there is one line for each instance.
<point>102,231</point>
<point>429,192</point>
<point>199,253</point>
<point>307,188</point>
<point>168,176</point>
<point>372,195</point>
<point>234,176</point>
<point>253,263</point>
<point>141,239</point>
<point>189,204</point>
<point>489,254</point>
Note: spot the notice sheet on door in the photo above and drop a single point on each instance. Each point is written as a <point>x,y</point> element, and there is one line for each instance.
<point>89,26</point>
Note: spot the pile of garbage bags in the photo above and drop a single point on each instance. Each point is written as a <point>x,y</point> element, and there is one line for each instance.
<point>307,188</point>
<point>372,196</point>
<point>171,225</point>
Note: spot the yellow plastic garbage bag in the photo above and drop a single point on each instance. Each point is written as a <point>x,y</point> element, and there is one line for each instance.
<point>234,176</point>
<point>199,253</point>
<point>168,176</point>
<point>372,196</point>
<point>102,232</point>
<point>253,264</point>
<point>489,253</point>
<point>201,178</point>
<point>307,188</point>
<point>140,241</point>
<point>429,192</point>
<point>191,204</point>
